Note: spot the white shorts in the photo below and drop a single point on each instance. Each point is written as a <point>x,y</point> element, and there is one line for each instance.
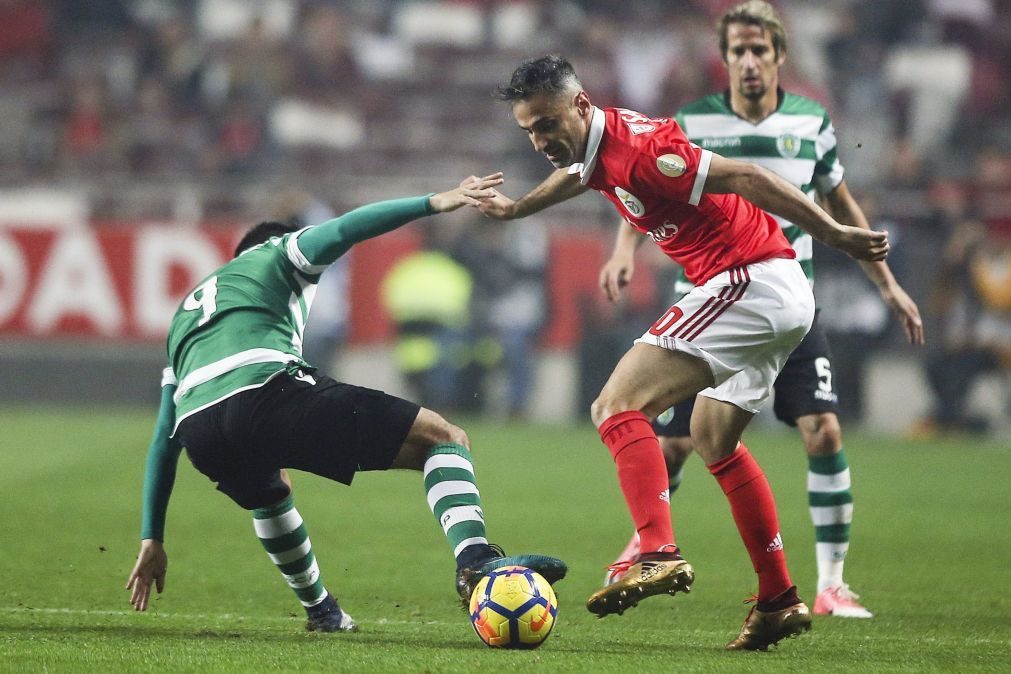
<point>744,323</point>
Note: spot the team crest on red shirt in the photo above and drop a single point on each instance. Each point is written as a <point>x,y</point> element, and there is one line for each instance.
<point>671,165</point>
<point>630,202</point>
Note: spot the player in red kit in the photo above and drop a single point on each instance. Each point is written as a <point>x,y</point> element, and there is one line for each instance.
<point>726,340</point>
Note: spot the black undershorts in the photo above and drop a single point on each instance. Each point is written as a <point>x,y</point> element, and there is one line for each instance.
<point>301,420</point>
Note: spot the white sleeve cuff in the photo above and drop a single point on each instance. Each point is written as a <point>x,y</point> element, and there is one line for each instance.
<point>168,377</point>
<point>705,157</point>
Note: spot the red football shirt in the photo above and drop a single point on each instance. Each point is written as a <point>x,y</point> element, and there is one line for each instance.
<point>654,176</point>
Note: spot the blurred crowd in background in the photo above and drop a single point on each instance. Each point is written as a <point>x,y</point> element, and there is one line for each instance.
<point>230,110</point>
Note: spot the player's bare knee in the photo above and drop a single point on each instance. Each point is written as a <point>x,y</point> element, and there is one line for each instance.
<point>456,435</point>
<point>431,428</point>
<point>605,407</point>
<point>714,446</point>
<point>597,412</point>
<point>822,434</point>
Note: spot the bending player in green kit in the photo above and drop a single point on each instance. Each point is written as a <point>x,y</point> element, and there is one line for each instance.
<point>239,397</point>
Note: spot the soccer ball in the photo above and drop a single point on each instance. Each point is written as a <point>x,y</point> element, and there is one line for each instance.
<point>513,607</point>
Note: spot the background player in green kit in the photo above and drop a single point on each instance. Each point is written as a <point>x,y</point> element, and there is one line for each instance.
<point>245,405</point>
<point>756,121</point>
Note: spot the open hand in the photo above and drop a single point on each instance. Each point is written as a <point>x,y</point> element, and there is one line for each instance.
<point>905,309</point>
<point>497,206</point>
<point>151,567</point>
<point>467,194</point>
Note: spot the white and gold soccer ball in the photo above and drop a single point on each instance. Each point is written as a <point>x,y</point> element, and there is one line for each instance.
<point>513,607</point>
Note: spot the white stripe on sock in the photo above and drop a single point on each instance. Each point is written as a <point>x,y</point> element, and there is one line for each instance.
<point>467,542</point>
<point>447,461</point>
<point>455,515</point>
<point>291,555</point>
<point>831,559</point>
<point>278,526</point>
<point>317,600</point>
<point>828,483</point>
<point>825,515</point>
<point>304,579</point>
<point>449,488</point>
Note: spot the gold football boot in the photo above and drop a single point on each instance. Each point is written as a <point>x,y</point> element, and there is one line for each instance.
<point>649,574</point>
<point>764,628</point>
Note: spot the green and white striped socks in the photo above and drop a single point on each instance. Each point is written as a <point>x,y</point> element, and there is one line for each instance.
<point>831,505</point>
<point>284,537</point>
<point>454,498</point>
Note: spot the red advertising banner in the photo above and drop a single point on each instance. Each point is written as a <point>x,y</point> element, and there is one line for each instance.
<point>125,282</point>
<point>112,283</point>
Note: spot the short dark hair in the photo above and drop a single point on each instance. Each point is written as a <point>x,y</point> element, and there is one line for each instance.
<point>550,74</point>
<point>263,232</point>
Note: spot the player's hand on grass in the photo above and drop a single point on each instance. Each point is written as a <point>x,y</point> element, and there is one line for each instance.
<point>151,567</point>
<point>905,309</point>
<point>862,244</point>
<point>469,193</point>
<point>615,275</point>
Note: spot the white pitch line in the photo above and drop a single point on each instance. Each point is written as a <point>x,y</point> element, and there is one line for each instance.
<point>195,616</point>
<point>387,621</point>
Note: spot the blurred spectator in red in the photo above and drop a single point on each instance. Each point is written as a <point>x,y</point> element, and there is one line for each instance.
<point>84,132</point>
<point>239,138</point>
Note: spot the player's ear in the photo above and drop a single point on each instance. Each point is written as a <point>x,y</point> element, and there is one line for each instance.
<point>781,57</point>
<point>582,103</point>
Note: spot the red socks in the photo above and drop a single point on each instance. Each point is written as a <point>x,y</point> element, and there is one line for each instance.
<point>642,474</point>
<point>754,510</point>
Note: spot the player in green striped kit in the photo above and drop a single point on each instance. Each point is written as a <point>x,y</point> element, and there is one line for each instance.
<point>793,136</point>
<point>239,397</point>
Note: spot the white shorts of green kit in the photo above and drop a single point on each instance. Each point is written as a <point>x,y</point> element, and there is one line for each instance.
<point>744,323</point>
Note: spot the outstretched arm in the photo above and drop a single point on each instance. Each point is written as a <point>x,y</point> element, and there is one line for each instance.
<point>556,188</point>
<point>324,243</point>
<point>844,208</point>
<point>159,478</point>
<point>768,191</point>
<point>618,270</point>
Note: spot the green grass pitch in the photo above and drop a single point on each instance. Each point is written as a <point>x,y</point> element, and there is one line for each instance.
<point>931,555</point>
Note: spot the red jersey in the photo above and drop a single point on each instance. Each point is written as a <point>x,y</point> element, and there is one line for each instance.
<point>654,176</point>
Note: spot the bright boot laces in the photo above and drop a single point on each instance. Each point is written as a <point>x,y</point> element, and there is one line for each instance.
<point>619,568</point>
<point>845,593</point>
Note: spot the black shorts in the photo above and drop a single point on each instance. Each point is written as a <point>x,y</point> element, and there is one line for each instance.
<point>804,386</point>
<point>307,422</point>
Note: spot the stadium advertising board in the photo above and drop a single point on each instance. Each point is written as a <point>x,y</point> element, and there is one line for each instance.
<point>117,282</point>
<point>111,283</point>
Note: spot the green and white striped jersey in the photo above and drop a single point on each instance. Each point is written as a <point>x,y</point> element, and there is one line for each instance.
<point>797,142</point>
<point>241,325</point>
